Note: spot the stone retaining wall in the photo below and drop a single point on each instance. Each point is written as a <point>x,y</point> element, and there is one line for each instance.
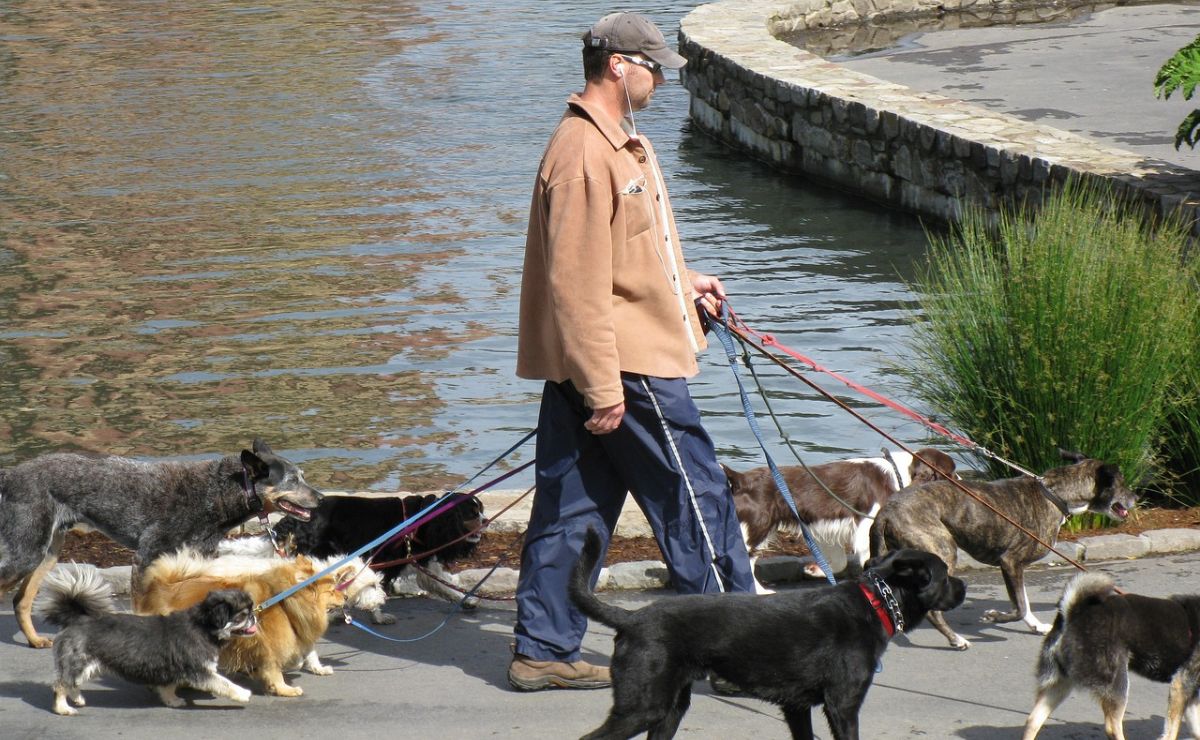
<point>917,151</point>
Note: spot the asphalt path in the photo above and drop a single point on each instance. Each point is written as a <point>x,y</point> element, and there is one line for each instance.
<point>1093,75</point>
<point>452,684</point>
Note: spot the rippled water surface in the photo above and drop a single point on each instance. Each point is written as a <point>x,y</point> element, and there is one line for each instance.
<point>305,221</point>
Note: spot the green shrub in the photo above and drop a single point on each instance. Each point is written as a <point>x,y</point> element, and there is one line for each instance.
<point>1181,440</point>
<point>1066,328</point>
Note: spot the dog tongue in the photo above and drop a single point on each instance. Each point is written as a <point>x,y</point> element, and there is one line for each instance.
<point>295,511</point>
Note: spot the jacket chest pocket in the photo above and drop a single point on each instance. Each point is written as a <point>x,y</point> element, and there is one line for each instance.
<point>639,214</point>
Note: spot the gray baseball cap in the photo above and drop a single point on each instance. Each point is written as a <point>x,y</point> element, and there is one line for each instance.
<point>633,34</point>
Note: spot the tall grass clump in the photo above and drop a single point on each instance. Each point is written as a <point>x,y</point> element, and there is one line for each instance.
<point>1061,328</point>
<point>1181,441</point>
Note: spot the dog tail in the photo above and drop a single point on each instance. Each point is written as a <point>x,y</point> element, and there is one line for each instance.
<point>254,547</point>
<point>581,592</point>
<point>1083,589</point>
<point>75,592</point>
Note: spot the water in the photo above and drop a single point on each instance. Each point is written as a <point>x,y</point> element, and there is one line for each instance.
<point>305,221</point>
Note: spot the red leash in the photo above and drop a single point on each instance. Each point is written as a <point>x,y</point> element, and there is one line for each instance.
<point>769,340</point>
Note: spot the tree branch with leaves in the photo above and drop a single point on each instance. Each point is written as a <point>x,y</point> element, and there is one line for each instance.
<point>1182,72</point>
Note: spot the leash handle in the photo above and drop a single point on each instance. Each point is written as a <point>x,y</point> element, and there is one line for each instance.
<point>720,327</point>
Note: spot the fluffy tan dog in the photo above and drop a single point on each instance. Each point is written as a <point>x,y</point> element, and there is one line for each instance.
<point>288,631</point>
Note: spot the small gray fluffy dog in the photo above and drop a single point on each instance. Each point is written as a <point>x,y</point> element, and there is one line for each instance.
<point>164,652</point>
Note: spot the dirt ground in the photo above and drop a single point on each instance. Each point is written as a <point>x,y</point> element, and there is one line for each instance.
<point>98,550</point>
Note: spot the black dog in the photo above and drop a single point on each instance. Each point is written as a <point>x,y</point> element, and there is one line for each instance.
<point>164,652</point>
<point>343,524</point>
<point>795,649</point>
<point>1100,635</point>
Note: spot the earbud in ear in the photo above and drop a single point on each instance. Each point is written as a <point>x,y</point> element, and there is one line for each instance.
<point>620,70</point>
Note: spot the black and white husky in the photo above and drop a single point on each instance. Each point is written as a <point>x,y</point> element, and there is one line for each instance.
<point>1100,635</point>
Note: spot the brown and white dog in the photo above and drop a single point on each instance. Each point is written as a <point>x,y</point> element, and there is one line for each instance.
<point>863,483</point>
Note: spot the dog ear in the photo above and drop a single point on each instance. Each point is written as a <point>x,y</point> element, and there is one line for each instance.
<point>1073,457</point>
<point>1106,476</point>
<point>882,564</point>
<point>261,447</point>
<point>733,476</point>
<point>921,568</point>
<point>218,609</point>
<point>345,574</point>
<point>259,469</point>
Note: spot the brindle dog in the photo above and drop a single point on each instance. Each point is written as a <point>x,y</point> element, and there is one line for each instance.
<point>939,518</point>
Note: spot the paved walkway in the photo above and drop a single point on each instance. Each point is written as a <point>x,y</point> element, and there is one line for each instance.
<point>452,685</point>
<point>1091,76</point>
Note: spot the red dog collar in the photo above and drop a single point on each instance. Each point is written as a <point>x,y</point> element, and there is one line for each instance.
<point>880,610</point>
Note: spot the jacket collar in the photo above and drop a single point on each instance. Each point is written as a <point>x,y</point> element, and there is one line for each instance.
<point>611,129</point>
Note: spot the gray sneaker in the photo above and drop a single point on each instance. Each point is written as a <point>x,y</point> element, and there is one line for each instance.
<point>527,674</point>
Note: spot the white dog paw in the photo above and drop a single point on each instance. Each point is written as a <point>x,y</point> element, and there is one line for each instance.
<point>960,643</point>
<point>381,618</point>
<point>167,695</point>
<point>242,696</point>
<point>321,670</point>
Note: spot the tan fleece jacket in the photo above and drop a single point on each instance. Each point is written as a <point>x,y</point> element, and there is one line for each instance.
<point>605,288</point>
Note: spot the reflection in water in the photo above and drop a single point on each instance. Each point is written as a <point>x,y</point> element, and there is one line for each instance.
<point>304,221</point>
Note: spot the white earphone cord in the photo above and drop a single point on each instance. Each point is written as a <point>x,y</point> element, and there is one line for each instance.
<point>629,105</point>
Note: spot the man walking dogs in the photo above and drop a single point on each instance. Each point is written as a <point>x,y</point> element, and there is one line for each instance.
<point>610,320</point>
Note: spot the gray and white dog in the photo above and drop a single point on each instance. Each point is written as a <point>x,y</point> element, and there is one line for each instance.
<point>164,652</point>
<point>939,518</point>
<point>150,507</point>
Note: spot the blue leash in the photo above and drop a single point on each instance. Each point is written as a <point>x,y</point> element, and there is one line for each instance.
<point>455,610</point>
<point>720,327</point>
<point>390,533</point>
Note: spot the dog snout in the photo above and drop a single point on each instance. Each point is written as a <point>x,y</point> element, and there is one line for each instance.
<point>313,495</point>
<point>954,592</point>
<point>946,595</point>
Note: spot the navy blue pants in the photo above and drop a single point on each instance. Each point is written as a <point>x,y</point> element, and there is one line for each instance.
<point>661,455</point>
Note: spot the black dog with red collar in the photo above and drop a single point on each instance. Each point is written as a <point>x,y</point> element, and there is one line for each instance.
<point>797,648</point>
